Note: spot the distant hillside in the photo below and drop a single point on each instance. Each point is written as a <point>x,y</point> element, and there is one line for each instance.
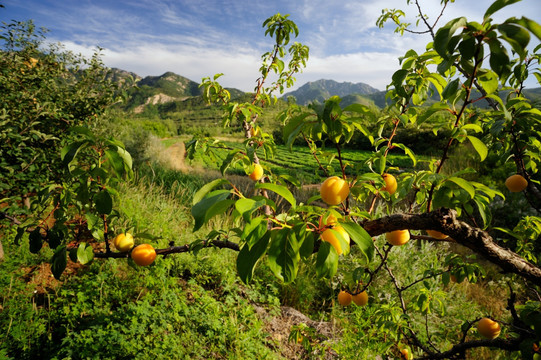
<point>321,90</point>
<point>123,76</point>
<point>163,89</point>
<point>171,91</point>
<point>533,94</point>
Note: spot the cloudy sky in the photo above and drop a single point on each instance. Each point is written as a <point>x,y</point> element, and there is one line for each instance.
<point>199,38</point>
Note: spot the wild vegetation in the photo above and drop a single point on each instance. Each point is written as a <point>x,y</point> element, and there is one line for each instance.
<point>341,241</point>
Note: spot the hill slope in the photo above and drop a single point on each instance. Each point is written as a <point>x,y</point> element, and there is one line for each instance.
<point>323,89</point>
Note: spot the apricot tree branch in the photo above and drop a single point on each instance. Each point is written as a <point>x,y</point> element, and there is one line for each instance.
<point>221,244</point>
<point>504,344</point>
<point>445,221</point>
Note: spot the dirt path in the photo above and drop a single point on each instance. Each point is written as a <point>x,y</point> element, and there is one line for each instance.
<point>174,157</point>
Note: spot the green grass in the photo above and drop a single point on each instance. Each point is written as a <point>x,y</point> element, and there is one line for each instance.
<point>299,162</point>
<point>182,307</point>
<point>189,306</point>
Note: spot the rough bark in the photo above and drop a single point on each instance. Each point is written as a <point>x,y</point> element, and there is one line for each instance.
<point>444,220</point>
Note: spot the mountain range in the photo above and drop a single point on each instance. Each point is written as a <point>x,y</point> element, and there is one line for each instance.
<point>171,87</point>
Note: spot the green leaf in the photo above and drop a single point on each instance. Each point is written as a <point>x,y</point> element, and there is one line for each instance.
<point>200,194</point>
<point>292,128</point>
<point>55,236</point>
<point>399,76</point>
<point>120,159</point>
<point>438,81</point>
<point>104,202</point>
<point>482,207</point>
<point>69,151</point>
<point>85,253</point>
<point>363,240</point>
<point>489,81</point>
<point>445,34</point>
<point>20,232</point>
<point>473,127</point>
<point>115,160</point>
<point>307,247</point>
<point>249,256</point>
<point>292,179</point>
<point>479,146</point>
<point>450,90</point>
<point>254,230</point>
<point>126,156</point>
<point>215,203</point>
<point>464,184</point>
<point>35,240</point>
<point>247,206</point>
<point>228,160</point>
<point>408,152</point>
<point>497,5</point>
<point>73,254</point>
<point>280,190</point>
<point>516,36</point>
<point>59,261</point>
<point>529,24</point>
<point>326,261</point>
<point>283,254</point>
<point>91,220</point>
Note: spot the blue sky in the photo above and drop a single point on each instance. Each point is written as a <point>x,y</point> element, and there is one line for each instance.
<point>199,38</point>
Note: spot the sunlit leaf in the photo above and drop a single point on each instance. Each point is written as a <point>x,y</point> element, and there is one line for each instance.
<point>479,146</point>
<point>280,190</point>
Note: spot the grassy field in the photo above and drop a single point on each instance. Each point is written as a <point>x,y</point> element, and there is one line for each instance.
<point>298,162</point>
<point>193,306</point>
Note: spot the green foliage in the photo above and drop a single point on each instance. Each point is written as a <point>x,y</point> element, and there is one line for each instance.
<point>44,93</point>
<point>412,286</point>
<point>455,71</point>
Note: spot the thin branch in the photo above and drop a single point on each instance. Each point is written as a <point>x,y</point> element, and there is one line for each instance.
<point>221,244</point>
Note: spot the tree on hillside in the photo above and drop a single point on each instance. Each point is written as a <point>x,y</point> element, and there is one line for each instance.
<point>439,203</point>
<point>52,163</point>
<point>446,203</point>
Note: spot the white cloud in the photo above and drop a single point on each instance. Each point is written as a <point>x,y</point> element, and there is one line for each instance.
<point>196,40</point>
<point>358,67</point>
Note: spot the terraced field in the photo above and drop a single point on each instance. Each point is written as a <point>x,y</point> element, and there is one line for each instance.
<point>299,162</point>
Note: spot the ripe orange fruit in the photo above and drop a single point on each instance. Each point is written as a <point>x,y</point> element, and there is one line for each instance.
<point>390,184</point>
<point>257,174</point>
<point>488,328</point>
<point>254,132</point>
<point>436,234</point>
<point>516,183</point>
<point>330,220</point>
<point>344,298</point>
<point>360,299</point>
<point>405,354</point>
<point>123,242</point>
<point>334,190</point>
<point>398,237</point>
<point>143,255</point>
<point>329,236</point>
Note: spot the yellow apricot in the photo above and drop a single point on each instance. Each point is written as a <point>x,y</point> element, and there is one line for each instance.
<point>437,235</point>
<point>488,328</point>
<point>330,237</point>
<point>516,183</point>
<point>360,299</point>
<point>334,190</point>
<point>143,255</point>
<point>344,298</point>
<point>398,237</point>
<point>390,184</point>
<point>257,174</point>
